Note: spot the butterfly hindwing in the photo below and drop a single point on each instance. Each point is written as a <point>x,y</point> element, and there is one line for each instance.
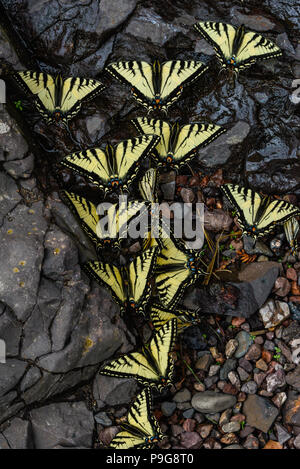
<point>153,366</point>
<point>142,429</point>
<point>184,317</point>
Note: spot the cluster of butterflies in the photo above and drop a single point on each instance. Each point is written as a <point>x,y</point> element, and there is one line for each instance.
<point>165,260</point>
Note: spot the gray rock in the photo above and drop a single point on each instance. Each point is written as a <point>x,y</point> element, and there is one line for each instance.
<point>188,414</point>
<point>18,434</point>
<point>274,312</point>
<point>208,402</point>
<point>231,427</point>
<point>65,425</point>
<point>249,388</point>
<point>10,332</point>
<point>229,365</point>
<point>20,168</point>
<point>182,396</point>
<point>168,408</point>
<point>244,340</point>
<point>282,434</point>
<point>13,144</point>
<point>293,378</point>
<point>113,391</point>
<point>260,412</point>
<point>10,373</point>
<point>9,195</point>
<point>103,419</point>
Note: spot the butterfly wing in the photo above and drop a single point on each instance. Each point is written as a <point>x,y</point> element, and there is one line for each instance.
<point>109,276</point>
<point>191,137</point>
<point>277,212</point>
<point>148,186</point>
<point>175,75</point>
<point>140,270</point>
<point>74,91</point>
<point>142,430</point>
<point>174,273</point>
<point>221,36</point>
<point>160,315</point>
<point>157,127</point>
<point>92,164</point>
<point>129,155</point>
<point>132,365</point>
<point>291,229</point>
<point>253,47</point>
<point>138,75</point>
<point>246,202</point>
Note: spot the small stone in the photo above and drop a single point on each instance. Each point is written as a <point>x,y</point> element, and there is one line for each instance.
<point>268,345</point>
<point>291,410</point>
<point>297,442</point>
<point>244,341</point>
<point>229,365</point>
<point>251,442</point>
<point>258,340</point>
<point>229,439</point>
<point>273,445</point>
<point>246,365</point>
<point>237,322</point>
<point>234,379</point>
<point>291,274</point>
<point>242,373</point>
<point>182,396</point>
<point>282,286</point>
<point>213,370</point>
<point>273,313</point>
<point>266,356</point>
<point>259,378</point>
<point>238,418</point>
<point>231,347</point>
<point>249,388</point>
<point>190,440</point>
<point>225,417</point>
<point>231,427</point>
<point>189,425</point>
<point>103,419</point>
<point>247,430</point>
<point>106,435</point>
<point>260,412</point>
<point>293,378</point>
<point>210,401</point>
<point>204,430</point>
<point>187,195</point>
<point>176,430</point>
<point>275,380</point>
<point>188,414</point>
<point>282,434</point>
<point>261,365</point>
<point>279,399</point>
<point>228,388</point>
<point>204,361</point>
<point>199,387</point>
<point>254,352</point>
<point>168,408</point>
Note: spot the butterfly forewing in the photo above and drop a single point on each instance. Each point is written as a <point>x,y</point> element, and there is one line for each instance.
<point>108,276</point>
<point>175,74</point>
<point>92,164</point>
<point>138,75</point>
<point>254,46</point>
<point>156,127</point>
<point>220,36</point>
<point>139,272</point>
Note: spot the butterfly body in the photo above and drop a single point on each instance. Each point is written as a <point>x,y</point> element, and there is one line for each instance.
<point>58,99</point>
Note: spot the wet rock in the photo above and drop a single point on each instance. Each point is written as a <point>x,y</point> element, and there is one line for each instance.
<point>182,396</point>
<point>209,401</point>
<point>103,419</point>
<point>219,151</point>
<point>275,380</point>
<point>10,332</point>
<point>282,286</point>
<point>273,313</point>
<point>64,425</point>
<point>20,168</point>
<point>168,408</point>
<point>113,391</point>
<point>18,434</point>
<point>244,342</point>
<point>293,378</point>
<point>261,365</point>
<point>260,412</point>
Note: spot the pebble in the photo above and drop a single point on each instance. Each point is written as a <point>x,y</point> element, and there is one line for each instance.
<point>225,417</point>
<point>231,347</point>
<point>274,312</point>
<point>228,366</point>
<point>213,370</point>
<point>103,419</point>
<point>246,365</point>
<point>293,378</point>
<point>229,439</point>
<point>282,434</point>
<point>176,430</point>
<point>234,379</point>
<point>231,427</point>
<point>204,430</point>
<point>297,442</point>
<point>106,435</point>
<point>259,378</point>
<point>251,442</point>
<point>261,365</point>
<point>266,356</point>
<point>291,274</point>
<point>228,388</point>
<point>295,311</point>
<point>199,387</point>
<point>244,342</point>
<point>268,345</point>
<point>209,402</point>
<point>282,286</point>
<point>275,380</point>
<point>168,408</point>
<point>247,430</point>
<point>279,399</point>
<point>250,387</point>
<point>260,412</point>
<point>273,445</point>
<point>187,195</point>
<point>188,414</point>
<point>190,440</point>
<point>254,352</point>
<point>182,396</point>
<point>242,373</point>
<point>189,425</point>
<point>204,361</point>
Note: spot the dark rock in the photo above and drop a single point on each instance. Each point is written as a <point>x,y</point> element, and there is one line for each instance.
<point>168,408</point>
<point>260,412</point>
<point>293,378</point>
<point>228,366</point>
<point>291,410</point>
<point>113,391</point>
<point>63,425</point>
<point>103,419</point>
<point>18,434</point>
<point>282,434</point>
<point>244,341</point>
<point>193,338</point>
